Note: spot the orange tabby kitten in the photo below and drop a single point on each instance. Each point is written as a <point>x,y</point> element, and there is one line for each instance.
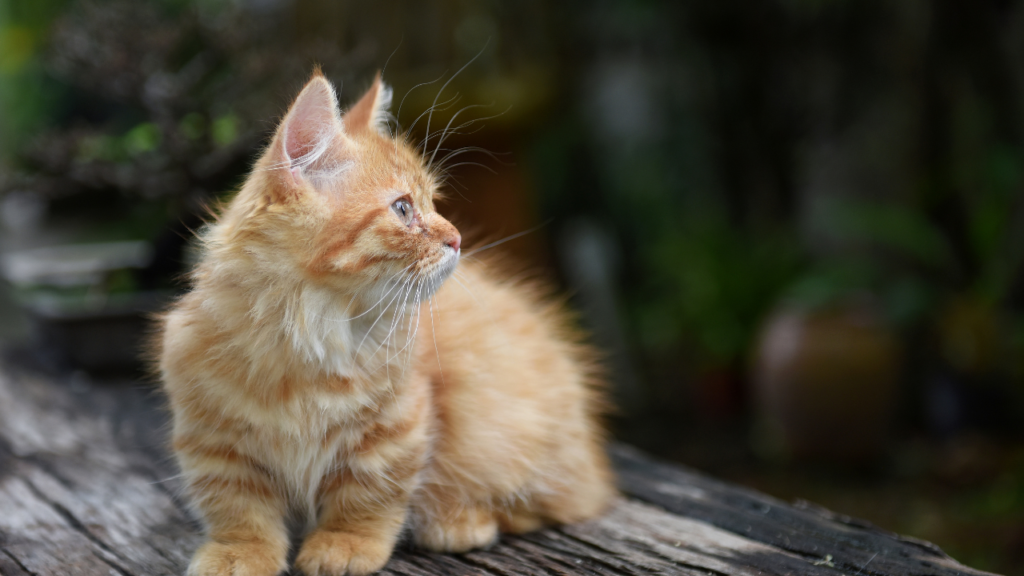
<point>303,387</point>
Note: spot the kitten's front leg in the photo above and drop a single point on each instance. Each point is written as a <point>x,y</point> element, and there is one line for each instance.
<point>243,512</point>
<point>364,511</point>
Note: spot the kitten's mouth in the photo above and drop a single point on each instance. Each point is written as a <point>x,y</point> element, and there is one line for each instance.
<point>447,265</point>
<point>440,272</point>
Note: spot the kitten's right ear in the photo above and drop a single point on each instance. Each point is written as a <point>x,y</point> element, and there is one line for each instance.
<point>309,136</point>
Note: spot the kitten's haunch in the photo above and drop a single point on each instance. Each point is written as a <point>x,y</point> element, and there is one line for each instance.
<point>322,368</point>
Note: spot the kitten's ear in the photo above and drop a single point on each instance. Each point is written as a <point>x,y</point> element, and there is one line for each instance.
<point>372,110</point>
<point>311,132</point>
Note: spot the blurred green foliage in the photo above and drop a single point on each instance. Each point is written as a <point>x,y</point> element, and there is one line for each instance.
<point>718,283</point>
<point>804,154</point>
<point>28,95</point>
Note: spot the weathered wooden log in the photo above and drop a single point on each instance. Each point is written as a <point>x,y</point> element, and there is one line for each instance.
<point>87,488</point>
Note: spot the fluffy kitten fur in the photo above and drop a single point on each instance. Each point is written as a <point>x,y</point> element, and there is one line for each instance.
<point>319,369</point>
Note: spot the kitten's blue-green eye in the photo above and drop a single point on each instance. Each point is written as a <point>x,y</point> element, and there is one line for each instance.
<point>403,209</point>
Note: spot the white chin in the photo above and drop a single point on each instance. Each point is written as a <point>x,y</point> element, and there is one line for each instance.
<point>439,274</point>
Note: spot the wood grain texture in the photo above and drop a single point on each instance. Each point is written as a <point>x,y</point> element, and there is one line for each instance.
<point>86,488</point>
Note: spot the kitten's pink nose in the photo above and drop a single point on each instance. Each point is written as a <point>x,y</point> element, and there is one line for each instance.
<point>455,242</point>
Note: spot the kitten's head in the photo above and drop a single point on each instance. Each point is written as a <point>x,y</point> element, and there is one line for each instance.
<point>351,204</point>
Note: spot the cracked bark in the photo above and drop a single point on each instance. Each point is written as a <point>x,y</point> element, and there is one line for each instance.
<point>86,489</point>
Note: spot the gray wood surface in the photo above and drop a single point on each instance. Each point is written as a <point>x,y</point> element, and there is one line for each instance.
<point>86,488</point>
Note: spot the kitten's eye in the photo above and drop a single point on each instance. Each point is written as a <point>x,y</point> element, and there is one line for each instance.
<point>403,209</point>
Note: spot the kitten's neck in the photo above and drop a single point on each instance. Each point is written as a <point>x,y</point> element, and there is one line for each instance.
<point>286,320</point>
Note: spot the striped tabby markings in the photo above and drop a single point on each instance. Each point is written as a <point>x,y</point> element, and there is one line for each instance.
<point>363,514</point>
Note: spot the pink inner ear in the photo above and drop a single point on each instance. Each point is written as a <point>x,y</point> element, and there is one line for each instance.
<point>311,123</point>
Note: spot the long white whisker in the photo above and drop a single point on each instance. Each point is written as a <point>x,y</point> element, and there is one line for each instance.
<point>467,149</point>
<point>458,129</point>
<point>415,333</point>
<point>442,106</point>
<point>433,332</point>
<point>379,316</point>
<point>439,92</point>
<point>398,310</point>
<point>444,133</point>
<point>394,321</point>
<point>390,116</point>
<point>393,52</point>
<point>395,284</point>
<point>409,339</point>
<point>411,90</point>
<point>506,239</point>
<point>484,166</point>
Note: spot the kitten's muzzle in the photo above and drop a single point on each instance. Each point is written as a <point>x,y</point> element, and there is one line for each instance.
<point>454,241</point>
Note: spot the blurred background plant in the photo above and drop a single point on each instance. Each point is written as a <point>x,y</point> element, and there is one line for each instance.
<point>796,227</point>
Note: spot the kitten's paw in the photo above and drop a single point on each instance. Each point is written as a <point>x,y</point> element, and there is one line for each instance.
<point>519,521</point>
<point>326,553</point>
<point>237,559</point>
<point>468,529</point>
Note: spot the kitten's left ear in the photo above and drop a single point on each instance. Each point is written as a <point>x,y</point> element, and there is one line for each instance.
<point>372,110</point>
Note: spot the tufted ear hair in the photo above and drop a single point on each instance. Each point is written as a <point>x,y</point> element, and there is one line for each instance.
<point>311,138</point>
<point>372,110</point>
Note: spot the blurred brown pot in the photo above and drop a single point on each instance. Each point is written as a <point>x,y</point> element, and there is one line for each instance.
<point>825,385</point>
